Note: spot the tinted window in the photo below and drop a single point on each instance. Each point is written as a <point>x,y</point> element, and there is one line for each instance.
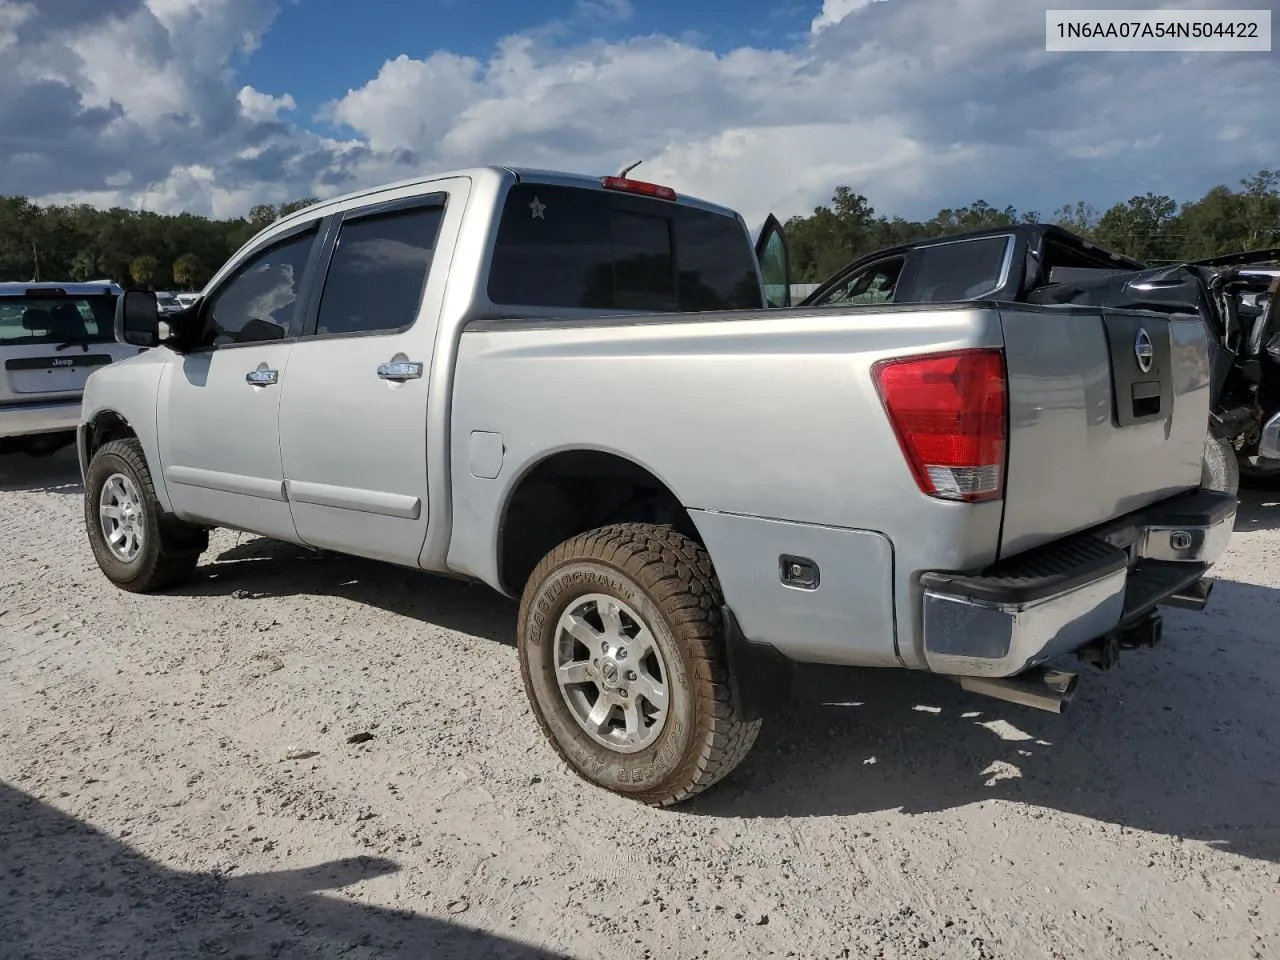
<point>874,283</point>
<point>642,275</point>
<point>717,264</point>
<point>378,270</point>
<point>959,271</point>
<point>258,303</point>
<point>568,247</point>
<point>57,319</point>
<point>773,268</point>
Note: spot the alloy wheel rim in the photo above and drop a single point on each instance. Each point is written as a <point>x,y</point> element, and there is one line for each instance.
<point>121,516</point>
<point>611,673</point>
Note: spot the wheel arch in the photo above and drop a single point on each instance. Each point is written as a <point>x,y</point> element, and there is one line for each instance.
<point>570,491</point>
<point>107,424</point>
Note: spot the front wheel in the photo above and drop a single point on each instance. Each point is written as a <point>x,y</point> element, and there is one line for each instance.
<point>622,653</point>
<point>136,544</point>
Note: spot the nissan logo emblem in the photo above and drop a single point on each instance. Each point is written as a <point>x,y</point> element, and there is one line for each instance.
<point>1144,350</point>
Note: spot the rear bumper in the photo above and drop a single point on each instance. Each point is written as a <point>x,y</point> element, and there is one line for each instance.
<point>25,419</point>
<point>1060,597</point>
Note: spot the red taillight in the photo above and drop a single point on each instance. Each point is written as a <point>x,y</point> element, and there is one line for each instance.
<point>949,412</point>
<point>639,186</point>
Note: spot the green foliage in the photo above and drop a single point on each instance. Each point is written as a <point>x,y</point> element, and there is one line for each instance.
<point>145,271</point>
<point>189,273</point>
<point>83,243</point>
<point>1149,227</point>
<point>80,242</point>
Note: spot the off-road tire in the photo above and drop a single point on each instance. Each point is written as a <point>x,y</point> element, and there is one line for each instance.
<point>668,579</point>
<point>170,548</point>
<point>1221,469</point>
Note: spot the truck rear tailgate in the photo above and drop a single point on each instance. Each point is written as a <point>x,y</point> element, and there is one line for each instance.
<point>1108,412</point>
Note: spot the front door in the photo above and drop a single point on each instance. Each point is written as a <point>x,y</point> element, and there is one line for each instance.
<point>353,425</point>
<point>219,410</point>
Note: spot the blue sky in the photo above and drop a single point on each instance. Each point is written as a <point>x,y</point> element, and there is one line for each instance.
<point>766,105</point>
<point>468,27</point>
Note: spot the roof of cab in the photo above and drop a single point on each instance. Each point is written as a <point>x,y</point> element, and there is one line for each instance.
<point>529,174</point>
<point>92,289</point>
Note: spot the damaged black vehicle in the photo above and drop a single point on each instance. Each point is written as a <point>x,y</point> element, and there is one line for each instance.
<point>1235,295</point>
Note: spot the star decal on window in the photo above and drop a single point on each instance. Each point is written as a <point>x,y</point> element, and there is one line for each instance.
<point>539,208</point>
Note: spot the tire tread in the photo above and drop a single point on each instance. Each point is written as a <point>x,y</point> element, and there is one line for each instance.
<point>174,561</point>
<point>677,573</point>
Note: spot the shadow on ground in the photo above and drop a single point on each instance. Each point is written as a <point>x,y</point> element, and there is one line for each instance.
<point>68,891</point>
<point>1179,740</point>
<point>1258,510</point>
<point>258,567</point>
<point>57,473</point>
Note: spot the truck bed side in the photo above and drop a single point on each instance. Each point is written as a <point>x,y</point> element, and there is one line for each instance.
<point>768,430</point>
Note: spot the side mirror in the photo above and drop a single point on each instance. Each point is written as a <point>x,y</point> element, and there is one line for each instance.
<point>138,318</point>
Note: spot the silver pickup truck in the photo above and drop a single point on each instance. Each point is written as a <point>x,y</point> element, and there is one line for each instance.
<point>580,392</point>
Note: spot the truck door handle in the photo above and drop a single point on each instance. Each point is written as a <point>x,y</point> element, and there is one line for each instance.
<point>400,370</point>
<point>262,377</point>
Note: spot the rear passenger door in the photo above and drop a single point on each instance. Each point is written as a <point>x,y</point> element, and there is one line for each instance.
<point>354,419</point>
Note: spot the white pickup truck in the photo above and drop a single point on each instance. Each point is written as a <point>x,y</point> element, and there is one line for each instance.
<point>580,392</point>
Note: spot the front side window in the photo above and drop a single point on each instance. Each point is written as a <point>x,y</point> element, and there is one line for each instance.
<point>378,271</point>
<point>963,270</point>
<point>874,283</point>
<point>259,302</point>
<point>57,319</point>
<point>578,248</point>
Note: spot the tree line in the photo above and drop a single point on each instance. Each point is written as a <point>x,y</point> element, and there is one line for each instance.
<point>1152,228</point>
<point>182,251</point>
<point>132,247</point>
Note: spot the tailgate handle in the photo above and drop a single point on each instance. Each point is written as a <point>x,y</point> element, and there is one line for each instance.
<point>1146,398</point>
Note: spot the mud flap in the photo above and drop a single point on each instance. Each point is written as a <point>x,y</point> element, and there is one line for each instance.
<point>759,676</point>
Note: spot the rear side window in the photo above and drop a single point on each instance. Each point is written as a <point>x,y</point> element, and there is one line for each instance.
<point>378,270</point>
<point>574,248</point>
<point>959,271</point>
<point>57,320</point>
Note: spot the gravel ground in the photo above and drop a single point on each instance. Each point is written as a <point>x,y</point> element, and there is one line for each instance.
<point>176,780</point>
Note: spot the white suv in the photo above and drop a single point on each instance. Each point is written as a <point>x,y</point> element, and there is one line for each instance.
<point>52,336</point>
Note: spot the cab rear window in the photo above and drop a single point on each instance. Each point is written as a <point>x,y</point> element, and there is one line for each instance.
<point>35,319</point>
<point>574,248</point>
<point>960,269</point>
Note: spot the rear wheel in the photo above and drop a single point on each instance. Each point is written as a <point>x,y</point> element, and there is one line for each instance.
<point>1221,469</point>
<point>137,545</point>
<point>622,653</point>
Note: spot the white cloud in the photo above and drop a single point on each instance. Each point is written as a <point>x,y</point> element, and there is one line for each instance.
<point>834,11</point>
<point>410,104</point>
<point>255,105</point>
<point>918,104</point>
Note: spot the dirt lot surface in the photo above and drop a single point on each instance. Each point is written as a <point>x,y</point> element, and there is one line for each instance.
<point>176,781</point>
